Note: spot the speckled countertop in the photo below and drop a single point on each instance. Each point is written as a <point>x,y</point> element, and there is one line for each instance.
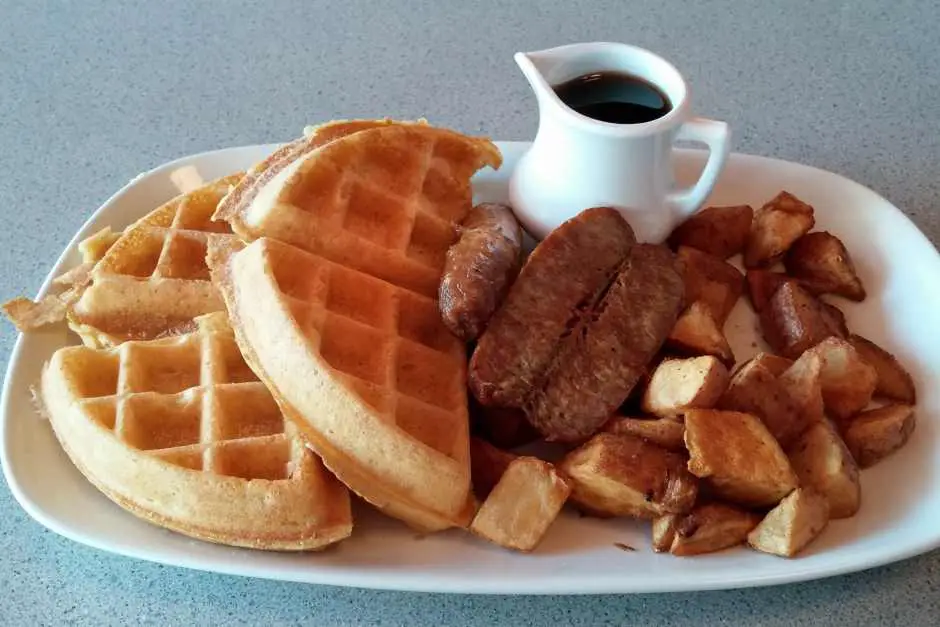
<point>91,93</point>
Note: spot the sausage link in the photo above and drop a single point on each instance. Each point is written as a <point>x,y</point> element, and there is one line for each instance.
<point>479,269</point>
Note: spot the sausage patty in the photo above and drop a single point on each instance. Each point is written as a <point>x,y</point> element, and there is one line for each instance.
<point>561,277</point>
<point>479,269</point>
<point>587,313</point>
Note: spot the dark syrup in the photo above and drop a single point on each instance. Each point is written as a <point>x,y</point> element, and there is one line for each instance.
<point>614,97</point>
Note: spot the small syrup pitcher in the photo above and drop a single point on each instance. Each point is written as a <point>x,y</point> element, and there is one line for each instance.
<point>617,151</point>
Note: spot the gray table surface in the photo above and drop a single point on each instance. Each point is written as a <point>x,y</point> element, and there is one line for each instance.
<point>91,93</point>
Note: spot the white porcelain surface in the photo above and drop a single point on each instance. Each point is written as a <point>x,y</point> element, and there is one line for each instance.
<point>577,162</point>
<point>901,497</point>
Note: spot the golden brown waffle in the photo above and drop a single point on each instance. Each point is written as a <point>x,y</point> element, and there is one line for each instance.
<point>153,280</point>
<point>180,432</point>
<point>366,369</point>
<point>383,200</point>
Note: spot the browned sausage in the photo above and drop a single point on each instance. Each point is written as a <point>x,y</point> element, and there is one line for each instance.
<point>597,365</point>
<point>479,269</point>
<point>588,312</point>
<point>560,279</point>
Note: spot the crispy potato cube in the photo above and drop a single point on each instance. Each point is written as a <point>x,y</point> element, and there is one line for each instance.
<point>802,382</point>
<point>794,321</point>
<point>821,258</point>
<point>505,427</point>
<point>681,384</point>
<point>711,527</point>
<point>794,523</point>
<point>823,462</point>
<point>697,333</point>
<point>776,226</point>
<point>522,506</point>
<point>755,390</point>
<point>668,433</point>
<point>664,532</point>
<point>894,381</point>
<point>761,285</point>
<point>711,280</point>
<point>741,460</point>
<point>873,435</point>
<point>718,231</point>
<point>848,381</point>
<point>776,364</point>
<point>621,475</point>
<point>487,465</point>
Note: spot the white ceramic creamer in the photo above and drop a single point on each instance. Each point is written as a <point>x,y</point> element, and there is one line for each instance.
<point>577,162</point>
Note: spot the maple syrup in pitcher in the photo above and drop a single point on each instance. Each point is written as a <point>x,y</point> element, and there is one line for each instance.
<point>614,97</point>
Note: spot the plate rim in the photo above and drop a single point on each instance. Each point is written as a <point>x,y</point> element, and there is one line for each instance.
<point>415,581</point>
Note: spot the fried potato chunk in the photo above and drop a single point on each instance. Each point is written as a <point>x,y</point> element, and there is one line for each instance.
<point>802,382</point>
<point>894,381</point>
<point>697,333</point>
<point>681,384</point>
<point>776,364</point>
<point>823,462</point>
<point>669,433</point>
<point>820,258</point>
<point>793,524</point>
<point>794,321</point>
<point>487,465</point>
<point>706,529</point>
<point>873,435</point>
<point>711,280</point>
<point>622,475</point>
<point>718,231</point>
<point>755,390</point>
<point>848,381</point>
<point>522,506</point>
<point>776,226</point>
<point>738,456</point>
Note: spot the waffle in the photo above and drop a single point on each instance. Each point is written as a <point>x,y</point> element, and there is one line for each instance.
<point>366,370</point>
<point>180,432</point>
<point>153,280</point>
<point>383,200</point>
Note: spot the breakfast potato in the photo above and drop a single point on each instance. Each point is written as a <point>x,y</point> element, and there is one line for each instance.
<point>776,364</point>
<point>664,532</point>
<point>711,280</point>
<point>761,285</point>
<point>775,227</point>
<point>622,475</point>
<point>823,462</point>
<point>706,529</point>
<point>894,381</point>
<point>755,390</point>
<point>668,433</point>
<point>504,427</point>
<point>794,321</point>
<point>848,381</point>
<point>873,435</point>
<point>791,525</point>
<point>821,258</point>
<point>697,333</point>
<point>739,458</point>
<point>522,506</point>
<point>718,231</point>
<point>802,383</point>
<point>681,384</point>
<point>487,465</point>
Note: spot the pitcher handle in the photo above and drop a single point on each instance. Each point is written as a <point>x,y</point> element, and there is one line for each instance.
<point>717,136</point>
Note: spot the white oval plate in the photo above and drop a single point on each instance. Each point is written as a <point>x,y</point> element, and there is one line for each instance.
<point>901,496</point>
